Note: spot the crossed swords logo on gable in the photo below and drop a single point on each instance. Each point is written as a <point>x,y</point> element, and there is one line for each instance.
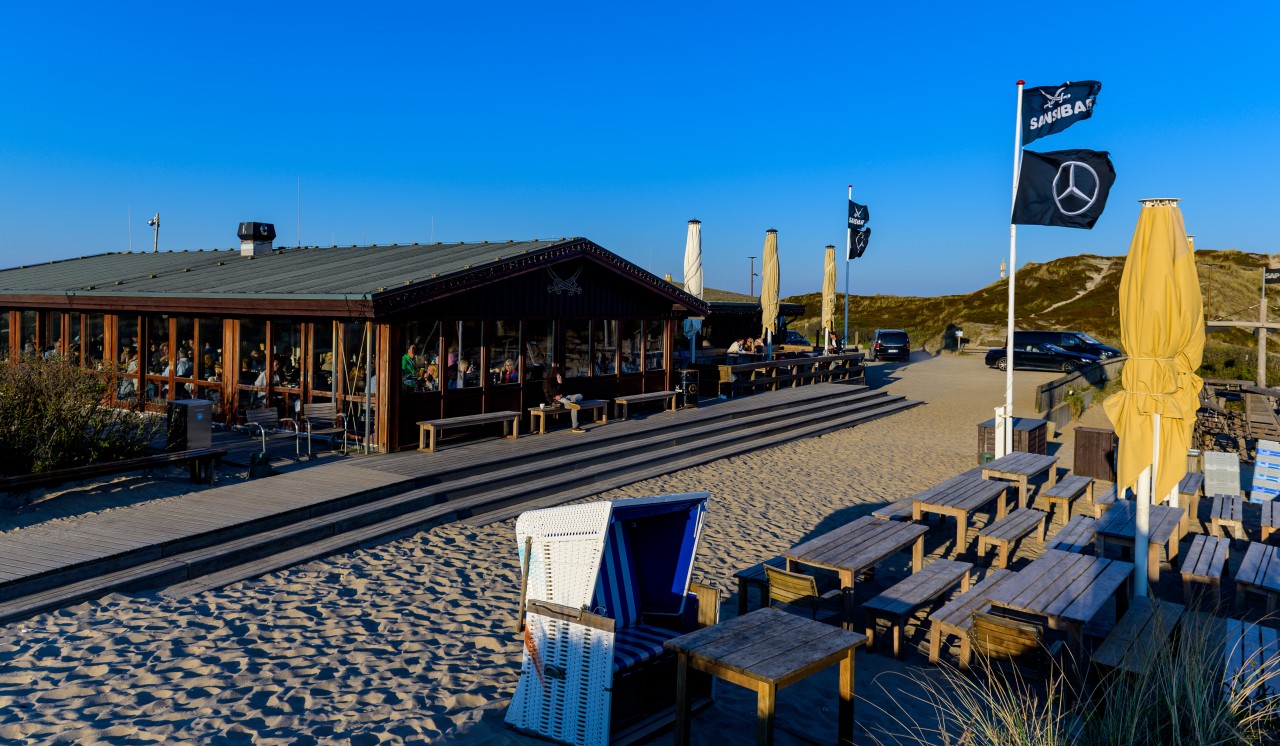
<point>559,285</point>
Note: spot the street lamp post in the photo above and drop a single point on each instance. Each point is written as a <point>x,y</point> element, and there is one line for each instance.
<point>751,287</point>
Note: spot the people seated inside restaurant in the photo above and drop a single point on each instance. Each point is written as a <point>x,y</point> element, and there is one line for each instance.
<point>409,367</point>
<point>507,372</point>
<point>464,376</point>
<point>430,380</point>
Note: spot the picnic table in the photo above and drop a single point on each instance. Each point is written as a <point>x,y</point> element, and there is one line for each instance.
<point>1067,589</point>
<point>1119,525</point>
<point>1021,467</point>
<point>858,546</point>
<point>1249,651</point>
<point>1138,637</point>
<point>960,497</point>
<point>766,650</point>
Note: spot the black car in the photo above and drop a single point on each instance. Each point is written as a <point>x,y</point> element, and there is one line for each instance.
<point>888,344</point>
<point>1069,341</point>
<point>1040,357</point>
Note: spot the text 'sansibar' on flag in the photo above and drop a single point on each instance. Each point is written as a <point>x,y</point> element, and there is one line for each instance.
<point>1051,109</point>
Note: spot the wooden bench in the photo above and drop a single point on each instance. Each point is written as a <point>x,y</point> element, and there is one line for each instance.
<point>510,422</point>
<point>599,409</point>
<point>1228,512</point>
<point>1138,637</point>
<point>755,577</point>
<point>897,511</point>
<point>1064,492</point>
<point>1189,496</point>
<point>1259,573</point>
<point>904,598</point>
<point>322,419</point>
<point>1013,527</point>
<point>201,461</point>
<point>956,616</point>
<point>1204,565</point>
<point>1102,503</point>
<point>1270,518</point>
<point>621,403</point>
<point>1076,536</point>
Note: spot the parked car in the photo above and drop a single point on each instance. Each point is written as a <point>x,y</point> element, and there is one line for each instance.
<point>1069,341</point>
<point>1039,357</point>
<point>890,343</point>
<point>794,337</point>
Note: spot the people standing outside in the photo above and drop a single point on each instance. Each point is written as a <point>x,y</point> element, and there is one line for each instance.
<point>551,389</point>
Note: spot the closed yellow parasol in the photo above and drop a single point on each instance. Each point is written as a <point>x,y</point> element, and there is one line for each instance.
<point>769,286</point>
<point>828,294</point>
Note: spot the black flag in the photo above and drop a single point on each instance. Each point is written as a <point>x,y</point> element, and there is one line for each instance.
<point>858,216</point>
<point>1051,109</point>
<point>858,241</point>
<point>1067,188</point>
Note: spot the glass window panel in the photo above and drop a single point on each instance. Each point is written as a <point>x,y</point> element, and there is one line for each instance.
<point>253,362</point>
<point>27,332</point>
<point>539,348</point>
<point>353,347</point>
<point>577,348</point>
<point>419,365</point>
<point>653,346</point>
<point>322,371</point>
<point>51,344</point>
<point>504,353</point>
<point>157,344</point>
<point>286,352</point>
<point>631,345</point>
<point>604,347</point>
<point>462,353</point>
<point>209,337</point>
<point>4,335</point>
<point>353,339</point>
<point>74,343</point>
<point>127,357</point>
<point>95,340</point>
<point>184,356</point>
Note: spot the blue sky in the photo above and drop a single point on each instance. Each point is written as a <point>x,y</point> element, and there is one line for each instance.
<point>619,122</point>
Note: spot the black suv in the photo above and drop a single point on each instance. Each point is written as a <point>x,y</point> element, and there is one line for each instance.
<point>890,343</point>
<point>1069,341</point>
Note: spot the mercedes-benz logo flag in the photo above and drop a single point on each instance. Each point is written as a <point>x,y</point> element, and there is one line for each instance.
<point>858,241</point>
<point>1067,188</point>
<point>1051,109</point>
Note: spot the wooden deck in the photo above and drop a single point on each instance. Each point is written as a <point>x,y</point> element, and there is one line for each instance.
<point>325,506</point>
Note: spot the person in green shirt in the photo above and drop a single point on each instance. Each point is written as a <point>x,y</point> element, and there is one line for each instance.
<point>409,367</point>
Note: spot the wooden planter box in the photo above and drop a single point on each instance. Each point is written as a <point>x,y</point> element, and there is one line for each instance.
<point>1095,454</point>
<point>1029,435</point>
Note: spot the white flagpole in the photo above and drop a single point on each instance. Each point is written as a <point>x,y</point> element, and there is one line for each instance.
<point>848,249</point>
<point>1007,446</point>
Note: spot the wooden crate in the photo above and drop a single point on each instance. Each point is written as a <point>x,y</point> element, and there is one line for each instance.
<point>1095,454</point>
<point>1029,435</point>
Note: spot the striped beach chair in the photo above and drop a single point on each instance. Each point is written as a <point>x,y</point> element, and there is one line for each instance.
<point>606,584</point>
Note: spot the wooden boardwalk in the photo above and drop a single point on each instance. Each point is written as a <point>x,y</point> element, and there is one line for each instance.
<point>320,507</point>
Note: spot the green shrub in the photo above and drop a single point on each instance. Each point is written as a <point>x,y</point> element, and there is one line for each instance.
<point>52,417</point>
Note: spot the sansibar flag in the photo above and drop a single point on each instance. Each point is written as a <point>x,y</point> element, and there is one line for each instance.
<point>1066,188</point>
<point>858,217</point>
<point>858,241</point>
<point>1051,109</point>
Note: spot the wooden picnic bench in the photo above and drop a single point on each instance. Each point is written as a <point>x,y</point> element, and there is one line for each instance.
<point>1270,518</point>
<point>1204,565</point>
<point>755,577</point>
<point>1013,527</point>
<point>201,461</point>
<point>960,497</point>
<point>1189,497</point>
<point>621,403</point>
<point>1228,513</point>
<point>510,421</point>
<point>599,409</point>
<point>1119,527</point>
<point>902,599</point>
<point>1139,636</point>
<point>773,374</point>
<point>1021,467</point>
<point>1067,490</point>
<point>1076,536</point>
<point>1249,651</point>
<point>900,510</point>
<point>1102,503</point>
<point>1259,573</point>
<point>956,616</point>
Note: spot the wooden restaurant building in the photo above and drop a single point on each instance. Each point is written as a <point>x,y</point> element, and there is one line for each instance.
<point>394,334</point>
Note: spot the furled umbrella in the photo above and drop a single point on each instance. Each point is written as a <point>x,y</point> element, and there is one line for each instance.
<point>828,296</point>
<point>769,289</point>
<point>1162,331</point>
<point>693,281</point>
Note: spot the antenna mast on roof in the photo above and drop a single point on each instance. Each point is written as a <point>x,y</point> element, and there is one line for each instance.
<point>130,224</point>
<point>299,211</point>
<point>155,223</point>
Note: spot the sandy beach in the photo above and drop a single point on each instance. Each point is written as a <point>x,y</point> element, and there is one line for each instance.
<point>411,641</point>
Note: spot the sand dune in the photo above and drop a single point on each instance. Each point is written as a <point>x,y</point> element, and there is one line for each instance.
<point>411,641</point>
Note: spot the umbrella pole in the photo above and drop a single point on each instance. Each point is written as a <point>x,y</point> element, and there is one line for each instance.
<point>1142,522</point>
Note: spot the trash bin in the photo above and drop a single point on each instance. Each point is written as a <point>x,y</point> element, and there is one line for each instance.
<point>1095,453</point>
<point>189,424</point>
<point>688,388</point>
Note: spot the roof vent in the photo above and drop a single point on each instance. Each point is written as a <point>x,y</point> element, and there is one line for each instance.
<point>256,238</point>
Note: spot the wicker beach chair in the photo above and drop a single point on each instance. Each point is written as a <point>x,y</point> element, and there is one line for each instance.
<point>606,584</point>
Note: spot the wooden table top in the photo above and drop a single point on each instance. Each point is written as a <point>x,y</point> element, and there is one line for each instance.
<point>1021,464</point>
<point>1120,521</point>
<point>1065,585</point>
<point>1247,649</point>
<point>1138,636</point>
<point>858,545</point>
<point>967,493</point>
<point>769,645</point>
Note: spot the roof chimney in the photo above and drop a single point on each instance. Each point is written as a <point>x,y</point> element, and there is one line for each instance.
<point>256,238</point>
